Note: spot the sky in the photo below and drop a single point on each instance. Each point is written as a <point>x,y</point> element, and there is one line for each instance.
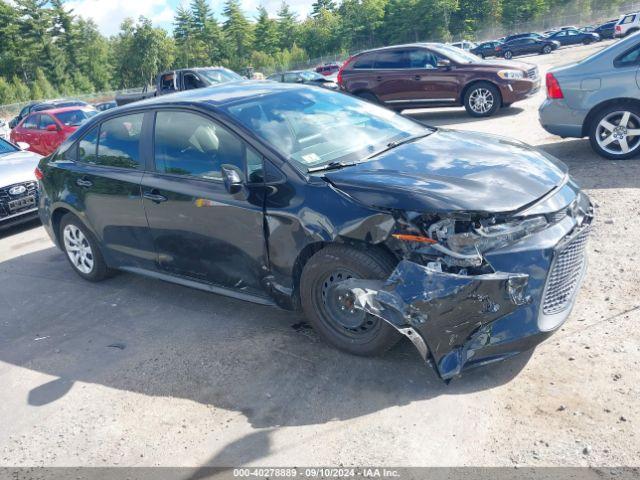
<point>108,14</point>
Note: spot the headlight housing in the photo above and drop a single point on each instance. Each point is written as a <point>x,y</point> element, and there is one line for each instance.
<point>511,74</point>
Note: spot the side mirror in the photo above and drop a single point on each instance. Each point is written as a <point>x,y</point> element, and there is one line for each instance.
<point>444,63</point>
<point>232,179</point>
<point>52,128</point>
<point>23,145</point>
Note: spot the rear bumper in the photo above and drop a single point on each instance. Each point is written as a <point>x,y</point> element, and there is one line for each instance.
<point>557,118</point>
<point>464,321</point>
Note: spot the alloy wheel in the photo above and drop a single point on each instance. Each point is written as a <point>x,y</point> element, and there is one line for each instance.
<point>481,100</point>
<point>78,249</point>
<point>618,133</point>
<point>508,55</point>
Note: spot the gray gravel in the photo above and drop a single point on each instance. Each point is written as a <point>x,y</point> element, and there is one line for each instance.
<point>138,372</point>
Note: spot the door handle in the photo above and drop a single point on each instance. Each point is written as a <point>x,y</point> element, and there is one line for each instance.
<point>154,196</point>
<point>83,182</point>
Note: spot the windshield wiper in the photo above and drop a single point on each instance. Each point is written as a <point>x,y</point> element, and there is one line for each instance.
<point>330,166</point>
<point>397,143</point>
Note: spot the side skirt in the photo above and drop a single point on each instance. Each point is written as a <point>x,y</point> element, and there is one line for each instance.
<point>207,287</point>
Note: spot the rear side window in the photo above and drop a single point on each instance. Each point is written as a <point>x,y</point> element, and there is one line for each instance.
<point>628,19</point>
<point>393,59</point>
<point>119,142</point>
<point>365,61</point>
<point>190,144</point>
<point>629,58</point>
<point>87,148</point>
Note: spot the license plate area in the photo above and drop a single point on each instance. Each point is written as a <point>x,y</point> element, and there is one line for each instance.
<point>22,203</point>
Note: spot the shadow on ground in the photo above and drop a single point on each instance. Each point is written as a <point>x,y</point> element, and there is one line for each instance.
<point>158,339</point>
<point>455,116</point>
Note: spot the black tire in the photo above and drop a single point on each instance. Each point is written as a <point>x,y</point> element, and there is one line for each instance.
<point>369,97</point>
<point>473,108</point>
<point>372,336</point>
<point>547,49</point>
<point>631,32</point>
<point>507,105</point>
<point>508,55</point>
<point>612,112</point>
<point>99,269</point>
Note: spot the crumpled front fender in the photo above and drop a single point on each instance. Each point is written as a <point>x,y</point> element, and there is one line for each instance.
<point>438,311</point>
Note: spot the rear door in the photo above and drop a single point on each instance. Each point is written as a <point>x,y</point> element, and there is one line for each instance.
<point>28,132</point>
<point>199,229</point>
<point>394,84</point>
<point>103,174</point>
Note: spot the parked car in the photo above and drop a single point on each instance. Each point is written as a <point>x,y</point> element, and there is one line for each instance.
<point>464,45</point>
<point>598,98</point>
<point>574,37</point>
<point>372,224</point>
<point>328,69</point>
<point>517,36</point>
<point>304,76</point>
<point>606,30</point>
<point>527,46</point>
<point>179,80</point>
<point>4,130</point>
<point>588,29</point>
<point>47,105</point>
<point>486,49</point>
<point>45,131</point>
<point>18,185</point>
<point>102,106</point>
<point>628,24</point>
<point>431,74</point>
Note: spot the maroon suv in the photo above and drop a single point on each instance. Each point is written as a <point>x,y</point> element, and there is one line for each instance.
<point>424,75</point>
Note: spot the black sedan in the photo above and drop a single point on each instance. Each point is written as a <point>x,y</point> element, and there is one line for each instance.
<point>574,37</point>
<point>606,30</point>
<point>526,46</point>
<point>372,224</point>
<point>486,49</point>
<point>304,76</point>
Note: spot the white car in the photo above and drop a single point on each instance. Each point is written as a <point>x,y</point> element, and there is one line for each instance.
<point>464,45</point>
<point>628,24</point>
<point>18,184</point>
<point>4,130</point>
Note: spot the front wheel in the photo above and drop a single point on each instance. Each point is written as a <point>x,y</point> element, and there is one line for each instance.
<point>482,100</point>
<point>508,55</point>
<point>547,49</point>
<point>615,132</point>
<point>333,316</point>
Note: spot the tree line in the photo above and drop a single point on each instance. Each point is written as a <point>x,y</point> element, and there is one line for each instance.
<point>47,51</point>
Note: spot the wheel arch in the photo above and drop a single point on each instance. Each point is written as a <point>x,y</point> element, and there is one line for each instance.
<point>622,101</point>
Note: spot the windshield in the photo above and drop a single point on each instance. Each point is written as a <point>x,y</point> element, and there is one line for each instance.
<point>312,127</point>
<point>73,118</point>
<point>6,147</point>
<point>219,76</point>
<point>310,76</point>
<point>456,54</point>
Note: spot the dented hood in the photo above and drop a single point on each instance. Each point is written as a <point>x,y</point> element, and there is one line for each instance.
<point>451,171</point>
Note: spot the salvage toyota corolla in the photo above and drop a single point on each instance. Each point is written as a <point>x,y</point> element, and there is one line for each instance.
<point>377,227</point>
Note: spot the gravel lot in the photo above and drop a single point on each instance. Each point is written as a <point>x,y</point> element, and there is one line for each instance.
<point>139,372</point>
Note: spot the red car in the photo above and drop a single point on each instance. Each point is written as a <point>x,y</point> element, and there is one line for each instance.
<point>45,131</point>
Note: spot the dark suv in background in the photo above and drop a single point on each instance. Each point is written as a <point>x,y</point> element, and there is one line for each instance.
<point>424,75</point>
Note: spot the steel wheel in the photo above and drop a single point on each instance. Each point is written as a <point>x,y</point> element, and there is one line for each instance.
<point>78,249</point>
<point>481,100</point>
<point>618,133</point>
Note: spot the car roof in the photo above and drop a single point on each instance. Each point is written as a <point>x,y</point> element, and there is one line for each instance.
<point>403,45</point>
<point>54,111</point>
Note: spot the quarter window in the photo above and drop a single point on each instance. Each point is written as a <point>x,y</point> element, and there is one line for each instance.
<point>628,19</point>
<point>629,58</point>
<point>119,142</point>
<point>394,59</point>
<point>190,144</point>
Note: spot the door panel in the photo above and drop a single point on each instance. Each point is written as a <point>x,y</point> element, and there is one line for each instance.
<point>199,229</point>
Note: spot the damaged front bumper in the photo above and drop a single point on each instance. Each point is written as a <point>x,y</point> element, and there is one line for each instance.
<point>463,321</point>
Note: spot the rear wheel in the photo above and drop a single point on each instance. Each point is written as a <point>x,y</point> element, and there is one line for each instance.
<point>615,132</point>
<point>508,54</point>
<point>332,316</point>
<point>547,49</point>
<point>82,250</point>
<point>482,99</point>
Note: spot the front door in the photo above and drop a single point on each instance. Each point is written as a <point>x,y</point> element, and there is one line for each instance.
<point>432,84</point>
<point>50,139</point>
<point>201,231</point>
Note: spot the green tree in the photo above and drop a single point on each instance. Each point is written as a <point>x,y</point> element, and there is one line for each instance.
<point>266,33</point>
<point>287,26</point>
<point>238,32</point>
<point>319,5</point>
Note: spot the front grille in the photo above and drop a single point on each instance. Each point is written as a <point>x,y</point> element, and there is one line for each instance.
<point>565,275</point>
<point>5,197</point>
<point>532,73</point>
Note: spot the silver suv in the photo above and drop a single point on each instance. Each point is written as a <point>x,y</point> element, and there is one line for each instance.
<point>599,98</point>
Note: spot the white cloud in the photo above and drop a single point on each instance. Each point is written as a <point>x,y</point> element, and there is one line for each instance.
<point>109,14</point>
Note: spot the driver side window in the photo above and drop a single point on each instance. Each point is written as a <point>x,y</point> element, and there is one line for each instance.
<point>190,144</point>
